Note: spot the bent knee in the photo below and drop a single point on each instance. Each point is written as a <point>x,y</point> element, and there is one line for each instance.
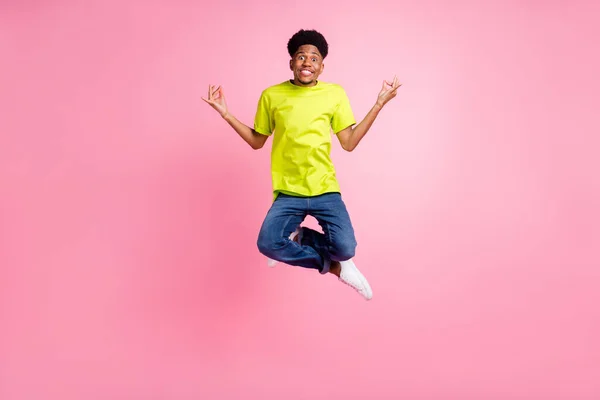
<point>268,246</point>
<point>264,246</point>
<point>344,251</point>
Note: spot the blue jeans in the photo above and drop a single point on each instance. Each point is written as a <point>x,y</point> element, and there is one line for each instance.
<point>316,250</point>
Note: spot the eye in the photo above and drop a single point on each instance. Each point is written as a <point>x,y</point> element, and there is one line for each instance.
<point>314,59</point>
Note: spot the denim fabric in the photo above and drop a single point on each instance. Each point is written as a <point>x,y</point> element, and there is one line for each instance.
<point>316,250</point>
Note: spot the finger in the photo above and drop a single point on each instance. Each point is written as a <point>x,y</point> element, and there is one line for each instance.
<point>208,101</point>
<point>216,90</point>
<point>209,90</point>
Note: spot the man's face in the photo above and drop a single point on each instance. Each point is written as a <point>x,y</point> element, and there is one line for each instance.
<point>307,65</point>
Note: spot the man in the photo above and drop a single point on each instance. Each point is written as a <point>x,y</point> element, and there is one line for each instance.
<point>301,113</point>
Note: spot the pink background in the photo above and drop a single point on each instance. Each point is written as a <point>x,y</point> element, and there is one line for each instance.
<point>129,210</point>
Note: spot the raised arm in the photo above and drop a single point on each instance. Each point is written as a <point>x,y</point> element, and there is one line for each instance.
<point>351,136</point>
<point>216,99</point>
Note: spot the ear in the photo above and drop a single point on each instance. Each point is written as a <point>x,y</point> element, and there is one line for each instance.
<point>291,64</point>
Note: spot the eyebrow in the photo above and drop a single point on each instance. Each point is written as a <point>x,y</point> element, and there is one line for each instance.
<point>303,52</point>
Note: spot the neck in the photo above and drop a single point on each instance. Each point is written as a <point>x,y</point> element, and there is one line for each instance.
<point>298,83</point>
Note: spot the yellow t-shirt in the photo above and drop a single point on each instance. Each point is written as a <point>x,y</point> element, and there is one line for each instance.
<point>301,119</point>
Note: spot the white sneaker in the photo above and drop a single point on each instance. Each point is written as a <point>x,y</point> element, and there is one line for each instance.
<point>270,262</point>
<point>351,276</point>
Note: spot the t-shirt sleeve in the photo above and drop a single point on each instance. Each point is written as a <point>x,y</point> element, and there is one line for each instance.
<point>343,116</point>
<point>263,123</point>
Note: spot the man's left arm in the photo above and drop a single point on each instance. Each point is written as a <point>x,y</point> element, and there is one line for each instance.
<point>350,137</point>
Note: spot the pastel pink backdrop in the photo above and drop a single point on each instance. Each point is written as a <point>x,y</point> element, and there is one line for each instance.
<point>129,209</point>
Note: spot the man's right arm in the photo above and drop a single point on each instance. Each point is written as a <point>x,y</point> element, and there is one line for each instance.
<point>216,99</point>
<point>254,139</point>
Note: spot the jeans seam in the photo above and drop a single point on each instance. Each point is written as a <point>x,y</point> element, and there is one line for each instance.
<point>327,258</point>
<point>327,232</point>
<point>285,226</point>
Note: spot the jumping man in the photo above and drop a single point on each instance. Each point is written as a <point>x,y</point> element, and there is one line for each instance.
<point>301,113</point>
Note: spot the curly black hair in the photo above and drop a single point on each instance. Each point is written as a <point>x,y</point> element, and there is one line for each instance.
<point>312,37</point>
